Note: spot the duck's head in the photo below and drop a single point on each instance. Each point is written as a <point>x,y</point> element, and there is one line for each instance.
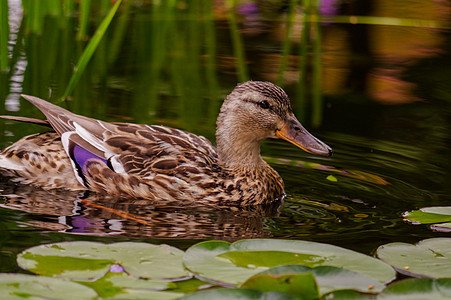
<point>257,110</point>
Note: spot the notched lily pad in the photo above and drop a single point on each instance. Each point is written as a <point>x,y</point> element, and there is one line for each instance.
<point>438,216</point>
<point>233,264</point>
<point>430,215</point>
<point>90,260</point>
<point>21,286</point>
<point>427,258</point>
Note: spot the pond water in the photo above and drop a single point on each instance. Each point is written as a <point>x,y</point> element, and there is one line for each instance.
<point>372,81</point>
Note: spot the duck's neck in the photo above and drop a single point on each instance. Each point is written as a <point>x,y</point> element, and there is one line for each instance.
<point>238,149</point>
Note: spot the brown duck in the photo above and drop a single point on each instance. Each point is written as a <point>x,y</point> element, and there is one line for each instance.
<point>161,163</point>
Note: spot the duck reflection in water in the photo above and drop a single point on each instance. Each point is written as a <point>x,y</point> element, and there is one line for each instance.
<point>93,214</point>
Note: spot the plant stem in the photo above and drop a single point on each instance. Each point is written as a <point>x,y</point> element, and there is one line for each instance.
<point>4,35</point>
<point>90,49</point>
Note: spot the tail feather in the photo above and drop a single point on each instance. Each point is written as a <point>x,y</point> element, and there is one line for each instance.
<point>27,120</point>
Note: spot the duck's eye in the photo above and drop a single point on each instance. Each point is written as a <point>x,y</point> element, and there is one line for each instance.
<point>264,104</point>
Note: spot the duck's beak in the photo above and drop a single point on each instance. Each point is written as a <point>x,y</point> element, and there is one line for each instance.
<point>295,133</point>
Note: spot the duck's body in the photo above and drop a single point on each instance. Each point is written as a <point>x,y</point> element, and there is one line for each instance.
<point>161,163</point>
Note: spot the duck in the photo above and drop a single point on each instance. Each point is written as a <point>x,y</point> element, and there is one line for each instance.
<point>163,164</point>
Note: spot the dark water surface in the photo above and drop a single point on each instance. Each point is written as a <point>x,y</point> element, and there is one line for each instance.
<point>383,104</point>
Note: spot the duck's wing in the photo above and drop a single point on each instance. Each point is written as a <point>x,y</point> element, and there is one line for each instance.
<point>81,136</point>
<point>146,150</point>
<point>137,149</point>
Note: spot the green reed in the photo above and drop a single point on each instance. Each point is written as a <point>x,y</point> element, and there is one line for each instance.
<point>287,44</point>
<point>301,90</point>
<point>237,43</point>
<point>68,7</point>
<point>317,98</point>
<point>85,7</point>
<point>4,35</point>
<point>90,49</point>
<point>210,61</point>
<point>118,32</point>
<point>310,66</point>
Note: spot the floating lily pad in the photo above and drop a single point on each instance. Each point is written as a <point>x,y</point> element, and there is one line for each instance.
<point>430,215</point>
<point>234,263</point>
<point>144,295</point>
<point>234,294</point>
<point>418,289</point>
<point>332,278</point>
<point>301,285</point>
<point>189,286</point>
<point>21,286</point>
<point>89,260</point>
<point>121,285</point>
<point>348,295</point>
<point>429,258</point>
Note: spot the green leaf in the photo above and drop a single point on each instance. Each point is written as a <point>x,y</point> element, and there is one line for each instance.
<point>430,257</point>
<point>332,278</point>
<point>302,286</point>
<point>418,289</point>
<point>20,286</point>
<point>270,259</point>
<point>188,286</point>
<point>234,294</point>
<point>332,178</point>
<point>114,285</point>
<point>89,260</point>
<point>4,34</point>
<point>219,261</point>
<point>90,49</point>
<point>430,215</point>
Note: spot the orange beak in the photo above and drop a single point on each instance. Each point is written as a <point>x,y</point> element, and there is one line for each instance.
<point>295,133</point>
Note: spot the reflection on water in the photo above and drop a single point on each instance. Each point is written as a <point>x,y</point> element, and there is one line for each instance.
<point>82,213</point>
<point>160,65</point>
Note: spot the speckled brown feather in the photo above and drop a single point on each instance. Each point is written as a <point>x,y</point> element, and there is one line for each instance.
<point>159,163</point>
<point>41,160</point>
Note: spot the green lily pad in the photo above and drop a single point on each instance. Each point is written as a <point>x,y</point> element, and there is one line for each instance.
<point>190,286</point>
<point>301,285</point>
<point>428,258</point>
<point>234,294</point>
<point>430,215</point>
<point>144,295</point>
<point>418,289</point>
<point>89,260</point>
<point>121,285</point>
<point>21,286</point>
<point>332,278</point>
<point>220,261</point>
<point>348,295</point>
